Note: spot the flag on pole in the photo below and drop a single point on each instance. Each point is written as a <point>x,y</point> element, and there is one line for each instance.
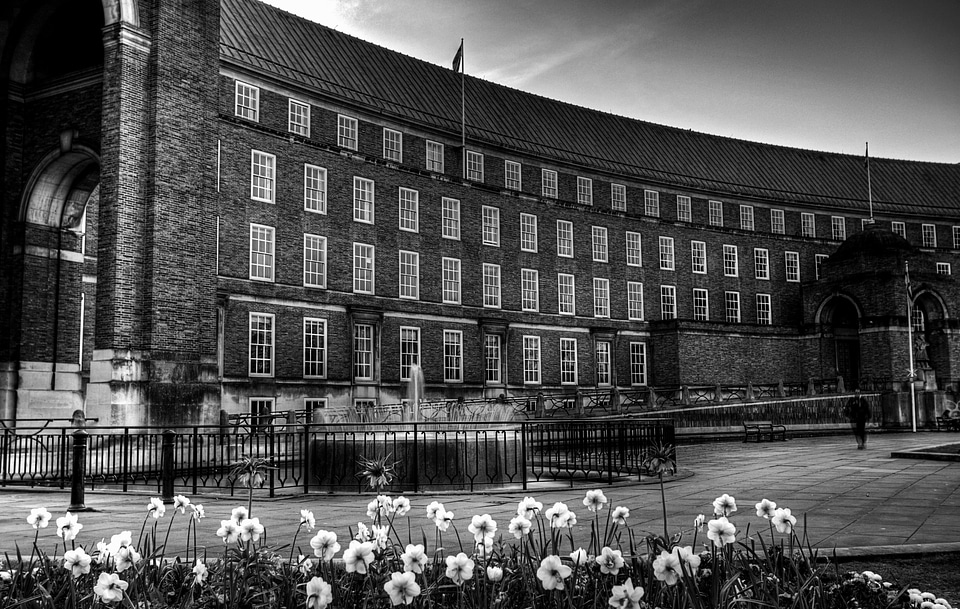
<point>457,58</point>
<point>906,278</point>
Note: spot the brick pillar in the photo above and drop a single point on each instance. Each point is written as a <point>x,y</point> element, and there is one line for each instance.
<point>155,354</point>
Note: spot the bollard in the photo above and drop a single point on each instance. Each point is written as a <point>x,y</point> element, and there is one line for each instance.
<point>166,465</point>
<point>80,438</point>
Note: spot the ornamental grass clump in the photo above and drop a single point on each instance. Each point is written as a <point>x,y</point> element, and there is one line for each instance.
<point>399,554</point>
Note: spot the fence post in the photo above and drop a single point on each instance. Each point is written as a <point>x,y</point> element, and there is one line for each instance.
<point>781,392</point>
<point>416,461</point>
<point>195,459</point>
<point>307,455</point>
<point>615,399</point>
<point>5,450</point>
<point>166,465</point>
<point>540,406</point>
<point>80,438</point>
<point>685,395</point>
<point>578,403</point>
<point>749,396</point>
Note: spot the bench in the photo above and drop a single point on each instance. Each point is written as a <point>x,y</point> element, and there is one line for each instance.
<point>949,421</point>
<point>756,430</point>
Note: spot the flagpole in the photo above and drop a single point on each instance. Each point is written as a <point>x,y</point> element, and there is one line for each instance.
<point>913,374</point>
<point>463,112</point>
<point>869,187</point>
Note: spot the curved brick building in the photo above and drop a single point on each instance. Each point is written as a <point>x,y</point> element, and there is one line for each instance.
<point>216,205</point>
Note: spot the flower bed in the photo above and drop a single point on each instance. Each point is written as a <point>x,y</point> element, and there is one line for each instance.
<point>535,560</point>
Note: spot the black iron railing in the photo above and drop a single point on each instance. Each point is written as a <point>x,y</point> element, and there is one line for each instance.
<point>325,457</point>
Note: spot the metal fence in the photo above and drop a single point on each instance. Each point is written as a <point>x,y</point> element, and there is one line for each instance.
<point>325,457</point>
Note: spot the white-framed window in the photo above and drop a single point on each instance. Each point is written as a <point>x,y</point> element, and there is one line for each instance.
<point>684,210</point>
<point>262,176</point>
<point>491,285</point>
<point>943,268</point>
<point>311,404</point>
<point>566,298</point>
<point>363,405</point>
<point>667,261</point>
<point>434,157</point>
<point>777,225</point>
<point>651,203</point>
<point>474,166</point>
<point>698,257</point>
<point>392,145</point>
<point>564,238</point>
<point>568,361</point>
<point>603,363</point>
<point>261,339</point>
<point>262,247</point>
<point>929,233</point>
<point>529,289</point>
<point>451,218</point>
<point>818,261</point>
<point>634,257</point>
<point>601,297</point>
<point>262,409</point>
<point>363,268</point>
<point>531,360</point>
<point>409,210</point>
<point>363,352</point>
<point>314,189</point>
<point>298,118</point>
<point>409,275</point>
<point>838,227</point>
<point>638,363</point>
<point>363,200</point>
<point>899,228</point>
<point>528,232</point>
<point>764,310</point>
<point>792,264</point>
<point>314,261</point>
<point>314,347</point>
<point>618,197</point>
<point>746,217</point>
<point>715,209</point>
<point>492,359</point>
<point>347,132</point>
<point>956,237</point>
<point>731,266</point>
<point>808,225</point>
<point>668,302</point>
<point>409,350</point>
<point>600,250</point>
<point>731,301</point>
<point>452,356</point>
<point>491,225</point>
<point>512,175</point>
<point>451,280</point>
<point>584,191</point>
<point>548,183</point>
<point>247,101</point>
<point>701,304</point>
<point>761,263</point>
<point>635,300</point>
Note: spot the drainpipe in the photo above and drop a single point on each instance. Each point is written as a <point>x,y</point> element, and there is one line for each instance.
<point>56,310</point>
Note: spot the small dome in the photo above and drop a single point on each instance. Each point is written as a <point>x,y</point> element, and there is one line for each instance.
<point>872,242</point>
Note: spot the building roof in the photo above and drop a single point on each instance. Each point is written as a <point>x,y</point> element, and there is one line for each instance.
<point>268,40</point>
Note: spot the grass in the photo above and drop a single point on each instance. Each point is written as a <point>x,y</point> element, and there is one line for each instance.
<point>937,573</point>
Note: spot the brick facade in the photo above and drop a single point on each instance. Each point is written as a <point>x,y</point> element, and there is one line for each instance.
<point>168,291</point>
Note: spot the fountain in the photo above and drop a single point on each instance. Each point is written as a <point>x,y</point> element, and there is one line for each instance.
<point>411,412</point>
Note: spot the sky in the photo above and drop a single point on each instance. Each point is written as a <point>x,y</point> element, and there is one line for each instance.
<point>826,75</point>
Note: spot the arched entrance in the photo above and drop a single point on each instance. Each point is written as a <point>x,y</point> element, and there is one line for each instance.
<point>58,283</point>
<point>52,58</point>
<point>840,344</point>
<point>931,349</point>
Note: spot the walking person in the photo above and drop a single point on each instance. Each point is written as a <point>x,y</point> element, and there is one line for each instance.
<point>858,411</point>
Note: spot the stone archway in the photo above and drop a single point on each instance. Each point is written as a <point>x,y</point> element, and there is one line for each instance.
<point>931,348</point>
<point>839,320</point>
<point>57,283</point>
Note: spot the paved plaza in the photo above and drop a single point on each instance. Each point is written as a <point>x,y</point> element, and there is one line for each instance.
<point>861,501</point>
